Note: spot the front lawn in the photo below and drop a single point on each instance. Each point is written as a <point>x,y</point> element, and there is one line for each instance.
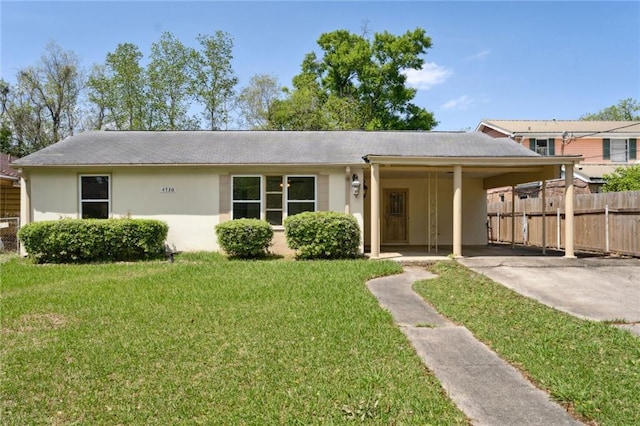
<point>207,341</point>
<point>592,368</point>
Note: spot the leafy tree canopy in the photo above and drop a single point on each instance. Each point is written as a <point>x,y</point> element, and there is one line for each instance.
<point>625,178</point>
<point>626,110</point>
<point>357,83</point>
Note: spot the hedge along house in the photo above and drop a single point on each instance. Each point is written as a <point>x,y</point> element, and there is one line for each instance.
<point>404,188</point>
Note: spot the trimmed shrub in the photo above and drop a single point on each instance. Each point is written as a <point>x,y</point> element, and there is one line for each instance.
<point>323,235</point>
<point>92,240</point>
<point>245,238</point>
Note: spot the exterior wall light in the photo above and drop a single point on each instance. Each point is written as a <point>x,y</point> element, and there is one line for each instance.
<point>355,185</point>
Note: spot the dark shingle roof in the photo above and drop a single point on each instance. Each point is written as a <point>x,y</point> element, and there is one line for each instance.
<point>6,171</point>
<point>264,147</point>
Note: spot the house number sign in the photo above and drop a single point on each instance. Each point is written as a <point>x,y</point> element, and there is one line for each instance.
<point>167,189</point>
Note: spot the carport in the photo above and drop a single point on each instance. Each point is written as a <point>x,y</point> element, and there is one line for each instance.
<point>489,172</point>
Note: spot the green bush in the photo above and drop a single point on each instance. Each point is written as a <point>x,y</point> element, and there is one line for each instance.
<point>91,240</point>
<point>323,235</point>
<point>245,238</point>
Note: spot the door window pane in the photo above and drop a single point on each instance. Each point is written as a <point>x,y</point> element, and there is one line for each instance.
<point>274,201</point>
<point>274,183</point>
<point>274,217</point>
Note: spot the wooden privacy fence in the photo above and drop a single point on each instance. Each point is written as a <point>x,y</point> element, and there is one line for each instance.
<point>606,222</point>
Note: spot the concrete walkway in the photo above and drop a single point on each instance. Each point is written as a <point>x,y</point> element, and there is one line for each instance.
<point>486,388</point>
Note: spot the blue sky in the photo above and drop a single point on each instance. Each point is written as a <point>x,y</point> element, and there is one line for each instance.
<point>499,60</point>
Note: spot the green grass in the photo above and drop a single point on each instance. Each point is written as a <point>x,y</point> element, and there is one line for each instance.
<point>590,367</point>
<point>208,341</point>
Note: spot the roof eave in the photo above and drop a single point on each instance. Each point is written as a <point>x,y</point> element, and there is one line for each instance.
<point>475,161</point>
<point>492,126</point>
<point>101,165</point>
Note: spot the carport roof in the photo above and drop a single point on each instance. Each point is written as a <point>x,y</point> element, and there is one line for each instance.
<point>268,147</point>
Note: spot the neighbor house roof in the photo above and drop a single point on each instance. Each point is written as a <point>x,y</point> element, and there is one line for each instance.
<point>6,171</point>
<point>264,147</point>
<point>557,127</point>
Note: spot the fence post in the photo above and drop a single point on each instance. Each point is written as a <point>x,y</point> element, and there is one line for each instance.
<point>606,228</point>
<point>558,227</point>
<point>513,217</point>
<point>544,217</point>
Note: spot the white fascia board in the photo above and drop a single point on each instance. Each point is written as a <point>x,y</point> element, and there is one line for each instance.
<point>477,161</point>
<point>496,128</point>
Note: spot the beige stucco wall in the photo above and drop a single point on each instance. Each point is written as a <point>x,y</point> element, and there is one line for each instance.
<point>473,209</point>
<point>190,204</point>
<point>54,195</point>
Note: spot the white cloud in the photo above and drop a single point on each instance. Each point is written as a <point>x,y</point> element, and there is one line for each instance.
<point>461,103</point>
<point>430,75</point>
<point>479,55</point>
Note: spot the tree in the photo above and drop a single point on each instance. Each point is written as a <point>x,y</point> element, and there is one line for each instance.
<point>214,78</point>
<point>24,125</point>
<point>48,92</point>
<point>361,82</point>
<point>171,76</point>
<point>624,178</point>
<point>626,110</point>
<point>117,89</point>
<point>256,101</point>
<point>42,107</point>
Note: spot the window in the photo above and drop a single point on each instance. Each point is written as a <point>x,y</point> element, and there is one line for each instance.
<point>542,146</point>
<point>94,197</point>
<point>281,196</point>
<point>301,194</point>
<point>622,150</point>
<point>246,197</point>
<point>619,150</point>
<point>274,200</point>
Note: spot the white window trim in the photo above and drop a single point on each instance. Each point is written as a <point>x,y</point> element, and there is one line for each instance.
<point>285,212</point>
<point>546,147</point>
<point>624,151</point>
<point>285,194</point>
<point>260,201</point>
<point>81,200</point>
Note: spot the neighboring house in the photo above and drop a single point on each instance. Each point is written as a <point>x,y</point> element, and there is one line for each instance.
<point>599,142</point>
<point>604,145</point>
<point>9,203</point>
<point>9,188</point>
<point>404,188</point>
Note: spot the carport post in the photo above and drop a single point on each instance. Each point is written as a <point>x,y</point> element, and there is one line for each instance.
<point>457,211</point>
<point>375,211</point>
<point>568,211</point>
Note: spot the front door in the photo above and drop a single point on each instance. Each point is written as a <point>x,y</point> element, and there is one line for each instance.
<point>394,230</point>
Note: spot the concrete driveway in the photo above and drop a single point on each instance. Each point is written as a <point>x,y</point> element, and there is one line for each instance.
<point>589,287</point>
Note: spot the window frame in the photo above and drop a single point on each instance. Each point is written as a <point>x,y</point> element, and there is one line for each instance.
<point>287,201</point>
<point>548,149</point>
<point>82,201</point>
<point>259,201</point>
<point>625,151</point>
<point>284,193</point>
